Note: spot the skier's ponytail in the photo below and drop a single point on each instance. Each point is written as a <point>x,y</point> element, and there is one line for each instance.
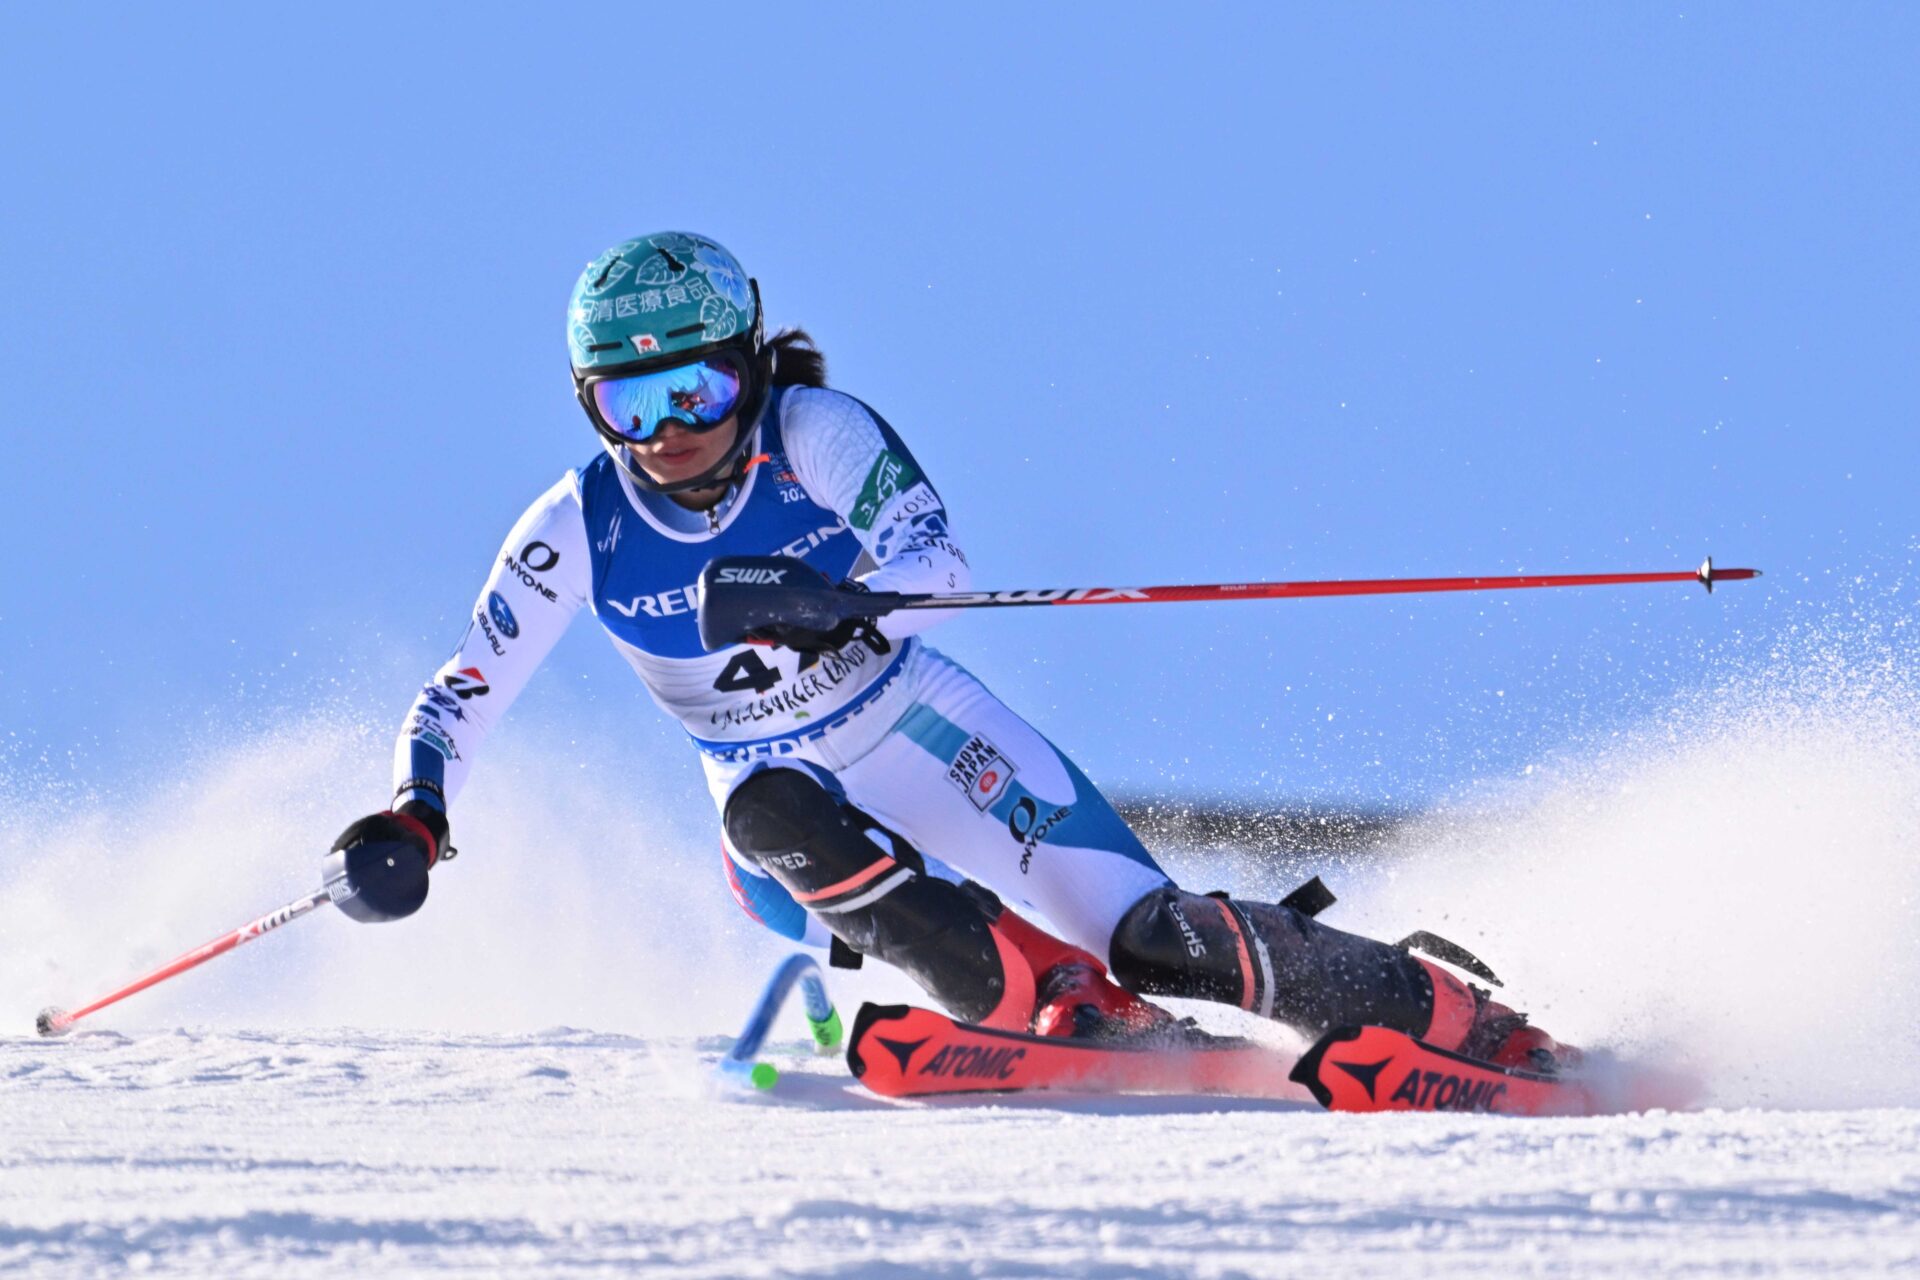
<point>794,361</point>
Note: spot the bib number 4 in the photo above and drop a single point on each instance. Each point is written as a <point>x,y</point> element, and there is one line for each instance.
<point>748,671</point>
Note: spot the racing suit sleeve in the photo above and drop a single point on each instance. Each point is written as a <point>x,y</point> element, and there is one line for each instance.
<point>541,579</point>
<point>852,463</point>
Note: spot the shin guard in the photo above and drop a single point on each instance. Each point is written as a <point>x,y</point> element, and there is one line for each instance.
<point>879,903</point>
<point>1270,960</point>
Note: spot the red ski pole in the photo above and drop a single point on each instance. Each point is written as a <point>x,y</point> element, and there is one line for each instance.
<point>882,602</point>
<point>750,596</point>
<point>54,1022</point>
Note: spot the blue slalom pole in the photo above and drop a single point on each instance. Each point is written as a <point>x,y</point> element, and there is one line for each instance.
<point>742,1066</point>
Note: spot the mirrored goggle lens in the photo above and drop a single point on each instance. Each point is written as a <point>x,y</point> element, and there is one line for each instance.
<point>697,396</point>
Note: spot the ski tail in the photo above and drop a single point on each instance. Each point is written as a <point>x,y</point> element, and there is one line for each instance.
<point>1378,1069</point>
<point>901,1051</point>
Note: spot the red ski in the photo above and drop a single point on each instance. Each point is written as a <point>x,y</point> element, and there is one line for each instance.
<point>902,1051</point>
<point>1375,1069</point>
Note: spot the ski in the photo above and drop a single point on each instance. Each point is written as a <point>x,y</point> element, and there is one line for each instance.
<point>902,1051</point>
<point>1377,1069</point>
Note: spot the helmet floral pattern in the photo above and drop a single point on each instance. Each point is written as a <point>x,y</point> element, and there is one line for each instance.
<point>655,296</point>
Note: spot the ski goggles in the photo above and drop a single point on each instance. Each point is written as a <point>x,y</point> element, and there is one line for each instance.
<point>698,396</point>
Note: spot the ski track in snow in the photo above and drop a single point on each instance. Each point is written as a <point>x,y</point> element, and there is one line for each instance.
<point>581,1153</point>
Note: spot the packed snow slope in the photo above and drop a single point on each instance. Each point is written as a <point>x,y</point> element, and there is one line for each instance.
<point>336,1153</point>
<point>1734,883</point>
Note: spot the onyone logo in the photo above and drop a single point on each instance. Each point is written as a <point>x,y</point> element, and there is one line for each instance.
<point>1023,826</point>
<point>539,557</point>
<point>535,557</point>
<point>756,577</point>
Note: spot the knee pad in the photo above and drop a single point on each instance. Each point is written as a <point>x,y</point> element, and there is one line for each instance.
<point>775,811</point>
<point>941,934</point>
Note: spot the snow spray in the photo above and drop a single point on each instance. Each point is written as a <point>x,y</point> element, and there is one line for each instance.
<point>574,902</point>
<point>1733,878</point>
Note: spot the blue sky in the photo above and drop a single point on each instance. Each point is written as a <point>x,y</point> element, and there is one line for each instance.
<point>1222,293</point>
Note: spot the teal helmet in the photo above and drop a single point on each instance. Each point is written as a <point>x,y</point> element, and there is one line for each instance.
<point>661,302</point>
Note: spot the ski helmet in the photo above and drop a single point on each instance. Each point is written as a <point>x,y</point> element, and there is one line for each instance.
<point>665,301</point>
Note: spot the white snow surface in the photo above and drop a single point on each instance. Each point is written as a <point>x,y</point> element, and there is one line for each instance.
<point>332,1153</point>
<point>1733,885</point>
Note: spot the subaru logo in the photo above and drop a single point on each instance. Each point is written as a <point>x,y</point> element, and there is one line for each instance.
<point>502,616</point>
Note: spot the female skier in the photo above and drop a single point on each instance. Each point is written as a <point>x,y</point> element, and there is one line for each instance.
<point>873,794</point>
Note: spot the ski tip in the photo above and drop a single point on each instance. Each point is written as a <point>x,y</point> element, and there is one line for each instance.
<point>1306,1071</point>
<point>868,1014</point>
<point>53,1022</point>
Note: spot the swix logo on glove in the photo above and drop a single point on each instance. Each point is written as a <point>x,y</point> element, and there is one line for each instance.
<point>755,577</point>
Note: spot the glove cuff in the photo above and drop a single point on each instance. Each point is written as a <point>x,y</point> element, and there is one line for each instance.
<point>427,822</point>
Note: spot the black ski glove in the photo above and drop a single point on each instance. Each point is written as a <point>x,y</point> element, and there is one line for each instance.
<point>377,869</point>
<point>783,601</point>
<point>803,640</point>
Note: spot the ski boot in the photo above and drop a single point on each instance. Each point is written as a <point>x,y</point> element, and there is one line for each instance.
<point>1073,996</point>
<point>1079,1000</point>
<point>1469,1021</point>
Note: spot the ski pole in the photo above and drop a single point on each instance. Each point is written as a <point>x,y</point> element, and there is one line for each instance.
<point>741,595</point>
<point>884,602</point>
<point>54,1022</point>
<point>741,1065</point>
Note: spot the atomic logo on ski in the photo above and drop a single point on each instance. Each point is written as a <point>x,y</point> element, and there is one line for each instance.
<point>928,1053</point>
<point>970,1062</point>
<point>1367,1073</point>
<point>901,1049</point>
<point>1444,1091</point>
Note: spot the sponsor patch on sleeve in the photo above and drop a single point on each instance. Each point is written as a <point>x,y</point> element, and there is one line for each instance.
<point>890,475</point>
